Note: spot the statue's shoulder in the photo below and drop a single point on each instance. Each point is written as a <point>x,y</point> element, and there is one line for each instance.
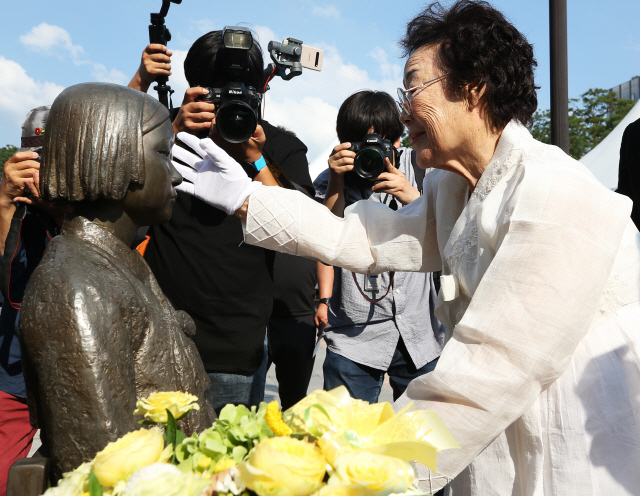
<point>73,266</point>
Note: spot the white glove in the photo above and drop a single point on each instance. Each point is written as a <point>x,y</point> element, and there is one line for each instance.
<point>213,177</point>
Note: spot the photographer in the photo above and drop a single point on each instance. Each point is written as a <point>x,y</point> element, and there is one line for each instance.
<point>27,224</point>
<point>199,257</point>
<point>374,324</point>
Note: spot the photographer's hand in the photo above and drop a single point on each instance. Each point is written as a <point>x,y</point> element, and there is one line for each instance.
<point>340,162</point>
<point>194,117</point>
<point>396,183</point>
<point>18,176</point>
<point>155,61</point>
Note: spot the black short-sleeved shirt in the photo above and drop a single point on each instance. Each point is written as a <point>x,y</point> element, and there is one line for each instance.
<point>204,268</point>
<point>294,278</point>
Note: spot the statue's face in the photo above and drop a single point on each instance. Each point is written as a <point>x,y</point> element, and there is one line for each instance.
<point>152,202</point>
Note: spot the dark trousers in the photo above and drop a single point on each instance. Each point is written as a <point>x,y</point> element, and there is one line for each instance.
<point>364,382</point>
<point>291,343</point>
<point>238,389</point>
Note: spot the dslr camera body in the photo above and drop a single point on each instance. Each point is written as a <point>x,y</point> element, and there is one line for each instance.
<point>237,105</point>
<point>370,161</point>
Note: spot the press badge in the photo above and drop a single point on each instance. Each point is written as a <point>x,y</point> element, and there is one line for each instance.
<point>371,283</point>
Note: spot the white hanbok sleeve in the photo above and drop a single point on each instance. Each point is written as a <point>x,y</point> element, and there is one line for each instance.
<point>371,238</point>
<point>555,249</point>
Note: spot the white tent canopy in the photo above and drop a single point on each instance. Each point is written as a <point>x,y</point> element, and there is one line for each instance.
<point>603,160</point>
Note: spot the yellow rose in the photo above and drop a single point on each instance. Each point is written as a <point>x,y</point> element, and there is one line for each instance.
<point>381,474</point>
<point>284,466</point>
<point>155,406</point>
<point>344,490</point>
<point>120,459</point>
<point>224,464</point>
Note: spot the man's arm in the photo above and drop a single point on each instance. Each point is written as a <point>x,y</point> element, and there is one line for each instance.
<point>266,178</point>
<point>155,61</point>
<point>325,285</point>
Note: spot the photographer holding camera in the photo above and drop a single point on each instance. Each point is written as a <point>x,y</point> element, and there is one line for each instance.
<point>374,324</point>
<point>199,257</point>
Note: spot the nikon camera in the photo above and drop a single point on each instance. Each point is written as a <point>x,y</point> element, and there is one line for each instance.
<point>370,161</point>
<point>237,106</point>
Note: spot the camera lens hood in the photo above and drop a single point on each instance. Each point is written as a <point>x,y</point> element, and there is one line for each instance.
<point>236,121</point>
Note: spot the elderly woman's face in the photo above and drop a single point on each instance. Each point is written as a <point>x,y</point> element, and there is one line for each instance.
<point>153,202</point>
<point>438,121</point>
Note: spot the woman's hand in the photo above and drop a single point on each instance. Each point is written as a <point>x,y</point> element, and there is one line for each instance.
<point>193,116</point>
<point>218,179</point>
<point>155,61</point>
<point>396,183</point>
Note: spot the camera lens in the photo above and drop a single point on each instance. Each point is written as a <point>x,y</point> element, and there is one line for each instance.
<point>369,163</point>
<point>236,121</point>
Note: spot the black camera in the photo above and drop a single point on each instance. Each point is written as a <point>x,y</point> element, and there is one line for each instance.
<point>370,161</point>
<point>237,106</point>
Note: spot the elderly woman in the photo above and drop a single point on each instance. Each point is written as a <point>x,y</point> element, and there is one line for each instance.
<point>96,331</point>
<point>539,379</point>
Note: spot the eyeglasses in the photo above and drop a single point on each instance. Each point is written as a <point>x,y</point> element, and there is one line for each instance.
<point>405,96</point>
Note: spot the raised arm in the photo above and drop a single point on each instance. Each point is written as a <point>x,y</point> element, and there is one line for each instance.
<point>371,238</point>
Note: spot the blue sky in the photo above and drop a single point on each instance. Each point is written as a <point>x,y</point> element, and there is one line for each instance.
<point>46,46</point>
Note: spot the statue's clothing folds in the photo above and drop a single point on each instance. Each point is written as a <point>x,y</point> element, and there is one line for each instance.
<point>97,333</point>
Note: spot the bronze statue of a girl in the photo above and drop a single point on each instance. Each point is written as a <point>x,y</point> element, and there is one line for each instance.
<point>96,330</point>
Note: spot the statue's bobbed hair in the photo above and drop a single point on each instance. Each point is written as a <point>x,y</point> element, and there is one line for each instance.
<point>93,146</point>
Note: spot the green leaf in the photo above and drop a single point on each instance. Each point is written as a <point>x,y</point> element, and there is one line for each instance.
<point>251,429</point>
<point>95,489</point>
<point>212,446</point>
<point>228,413</point>
<point>170,430</point>
<point>309,423</point>
<point>239,453</point>
<point>353,439</point>
<point>242,411</point>
<point>180,436</point>
<point>147,422</point>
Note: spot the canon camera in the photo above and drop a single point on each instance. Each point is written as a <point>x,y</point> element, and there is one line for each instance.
<point>370,160</point>
<point>237,106</point>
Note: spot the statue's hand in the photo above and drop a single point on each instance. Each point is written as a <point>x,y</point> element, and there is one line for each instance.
<point>217,179</point>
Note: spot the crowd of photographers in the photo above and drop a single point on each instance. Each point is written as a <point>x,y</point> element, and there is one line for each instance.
<point>251,307</point>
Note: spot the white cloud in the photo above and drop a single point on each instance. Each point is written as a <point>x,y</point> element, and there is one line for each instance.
<point>56,41</point>
<point>177,81</point>
<point>265,35</point>
<point>326,11</point>
<point>51,40</point>
<point>19,93</point>
<point>101,74</point>
<point>203,26</point>
<point>387,69</point>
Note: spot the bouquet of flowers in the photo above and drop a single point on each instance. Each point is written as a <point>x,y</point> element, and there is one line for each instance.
<point>328,444</point>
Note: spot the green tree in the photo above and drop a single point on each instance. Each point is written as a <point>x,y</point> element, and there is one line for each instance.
<point>405,141</point>
<point>5,154</point>
<point>591,118</point>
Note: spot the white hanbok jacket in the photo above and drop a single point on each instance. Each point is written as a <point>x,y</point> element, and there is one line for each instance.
<point>539,381</point>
